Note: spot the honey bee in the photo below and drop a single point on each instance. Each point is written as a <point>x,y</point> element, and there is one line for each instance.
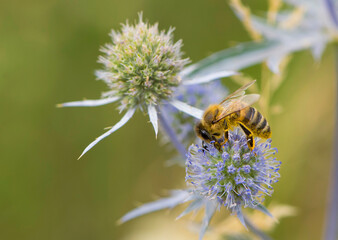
<point>233,111</point>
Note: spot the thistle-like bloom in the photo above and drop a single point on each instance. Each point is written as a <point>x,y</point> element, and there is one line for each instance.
<point>234,178</point>
<point>142,65</point>
<point>142,68</point>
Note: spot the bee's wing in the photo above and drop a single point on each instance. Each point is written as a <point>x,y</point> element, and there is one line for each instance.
<point>235,104</point>
<point>239,92</point>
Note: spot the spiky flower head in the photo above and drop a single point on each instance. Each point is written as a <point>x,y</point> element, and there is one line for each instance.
<point>141,66</point>
<point>236,176</point>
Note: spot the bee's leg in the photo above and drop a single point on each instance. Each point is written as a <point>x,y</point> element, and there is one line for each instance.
<point>226,137</point>
<point>204,145</point>
<point>249,136</point>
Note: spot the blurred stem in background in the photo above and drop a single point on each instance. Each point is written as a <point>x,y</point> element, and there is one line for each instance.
<point>332,210</point>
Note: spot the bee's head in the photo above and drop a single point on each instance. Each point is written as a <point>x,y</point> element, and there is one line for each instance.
<point>202,132</point>
<point>207,135</point>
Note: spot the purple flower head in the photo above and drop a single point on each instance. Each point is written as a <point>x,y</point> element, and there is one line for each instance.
<point>237,177</point>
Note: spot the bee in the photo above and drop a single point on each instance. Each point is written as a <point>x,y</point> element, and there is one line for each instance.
<point>233,111</point>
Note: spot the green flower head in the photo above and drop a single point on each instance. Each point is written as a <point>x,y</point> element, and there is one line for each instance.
<point>141,65</point>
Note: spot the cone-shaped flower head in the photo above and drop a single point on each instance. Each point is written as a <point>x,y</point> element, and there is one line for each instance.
<point>141,66</point>
<point>236,176</point>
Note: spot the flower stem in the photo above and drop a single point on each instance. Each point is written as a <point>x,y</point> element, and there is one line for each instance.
<point>332,210</point>
<point>171,134</point>
<point>255,230</point>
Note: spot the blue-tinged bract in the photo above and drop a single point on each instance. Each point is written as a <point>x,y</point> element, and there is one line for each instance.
<point>235,176</point>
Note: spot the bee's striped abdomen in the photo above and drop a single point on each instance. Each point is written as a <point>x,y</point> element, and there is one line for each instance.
<point>255,121</point>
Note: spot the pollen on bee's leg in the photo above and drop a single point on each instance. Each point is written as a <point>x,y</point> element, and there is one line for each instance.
<point>224,139</point>
<point>223,143</point>
<point>218,146</point>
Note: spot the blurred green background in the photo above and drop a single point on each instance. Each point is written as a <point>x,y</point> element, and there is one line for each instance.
<point>48,53</point>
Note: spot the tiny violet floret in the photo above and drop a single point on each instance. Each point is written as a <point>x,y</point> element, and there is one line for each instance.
<point>236,177</point>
